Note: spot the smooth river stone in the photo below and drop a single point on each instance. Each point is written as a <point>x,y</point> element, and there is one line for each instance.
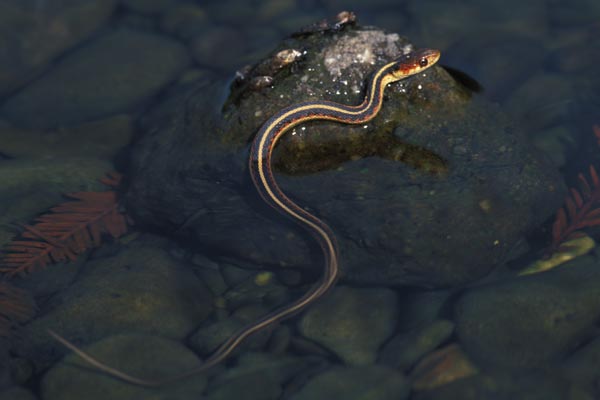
<point>352,323</point>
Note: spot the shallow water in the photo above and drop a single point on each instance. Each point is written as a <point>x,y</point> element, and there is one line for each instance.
<point>83,83</point>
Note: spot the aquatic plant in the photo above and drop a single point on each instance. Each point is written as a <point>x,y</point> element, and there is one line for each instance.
<point>581,209</point>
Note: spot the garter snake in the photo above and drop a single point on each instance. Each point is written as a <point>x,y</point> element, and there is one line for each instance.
<point>264,181</point>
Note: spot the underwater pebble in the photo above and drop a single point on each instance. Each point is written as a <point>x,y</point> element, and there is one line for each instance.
<point>96,139</point>
<point>149,6</point>
<point>144,356</point>
<point>33,33</point>
<point>140,289</point>
<point>441,367</point>
<point>532,320</point>
<point>352,323</point>
<point>503,386</point>
<point>16,393</point>
<point>536,106</point>
<point>206,339</point>
<point>185,21</point>
<point>233,12</point>
<point>421,308</point>
<point>259,287</point>
<point>583,366</point>
<point>356,383</point>
<point>257,376</point>
<point>213,278</point>
<point>405,349</point>
<point>211,54</point>
<point>89,83</point>
<point>557,142</point>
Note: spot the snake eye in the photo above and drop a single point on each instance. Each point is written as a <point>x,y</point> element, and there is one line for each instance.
<point>423,62</point>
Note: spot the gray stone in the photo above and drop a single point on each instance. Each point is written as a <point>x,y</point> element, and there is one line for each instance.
<point>112,74</point>
<point>352,323</point>
<point>532,320</point>
<point>33,33</point>
<point>144,356</point>
<point>356,383</point>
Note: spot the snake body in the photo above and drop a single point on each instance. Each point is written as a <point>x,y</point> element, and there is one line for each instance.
<point>264,181</point>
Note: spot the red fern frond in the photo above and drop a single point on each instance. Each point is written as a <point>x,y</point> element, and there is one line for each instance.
<point>581,210</point>
<point>68,230</point>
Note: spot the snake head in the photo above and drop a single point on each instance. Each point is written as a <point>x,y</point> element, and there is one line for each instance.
<point>413,63</point>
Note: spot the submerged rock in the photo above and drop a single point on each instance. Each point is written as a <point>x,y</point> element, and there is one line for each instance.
<point>352,323</point>
<point>533,320</point>
<point>147,357</point>
<point>140,289</point>
<point>433,192</point>
<point>67,94</point>
<point>357,383</point>
<point>503,386</point>
<point>405,349</point>
<point>258,376</point>
<point>16,393</point>
<point>33,33</point>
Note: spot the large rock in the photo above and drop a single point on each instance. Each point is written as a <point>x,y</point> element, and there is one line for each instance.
<point>434,191</point>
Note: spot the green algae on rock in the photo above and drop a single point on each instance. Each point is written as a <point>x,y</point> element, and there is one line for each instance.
<point>433,192</point>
